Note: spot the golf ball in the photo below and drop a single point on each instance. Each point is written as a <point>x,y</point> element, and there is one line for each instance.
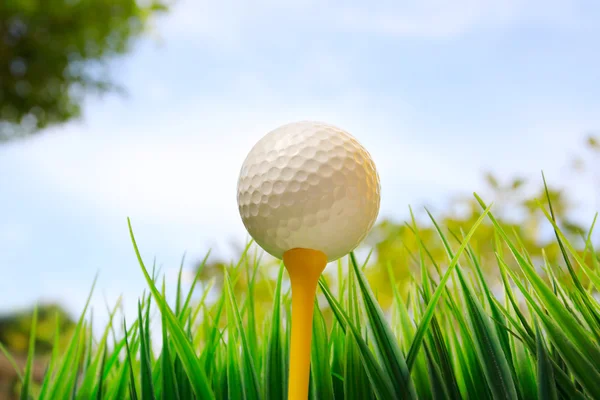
<point>308,185</point>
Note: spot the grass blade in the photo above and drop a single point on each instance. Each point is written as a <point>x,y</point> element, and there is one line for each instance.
<point>185,351</point>
<point>426,319</point>
<point>380,381</point>
<point>250,377</point>
<point>545,374</point>
<point>386,343</point>
<point>320,368</point>
<point>146,372</point>
<point>275,382</point>
<point>25,389</point>
<point>489,349</point>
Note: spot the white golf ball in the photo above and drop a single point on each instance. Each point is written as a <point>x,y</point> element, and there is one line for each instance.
<point>308,185</point>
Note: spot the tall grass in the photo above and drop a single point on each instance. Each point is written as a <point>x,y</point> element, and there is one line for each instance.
<point>452,337</point>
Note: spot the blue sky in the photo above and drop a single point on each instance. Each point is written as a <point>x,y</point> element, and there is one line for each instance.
<point>437,91</point>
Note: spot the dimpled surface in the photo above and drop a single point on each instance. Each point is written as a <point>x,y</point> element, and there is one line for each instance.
<point>308,185</point>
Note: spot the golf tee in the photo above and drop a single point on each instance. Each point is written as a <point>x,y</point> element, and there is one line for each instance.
<point>304,267</point>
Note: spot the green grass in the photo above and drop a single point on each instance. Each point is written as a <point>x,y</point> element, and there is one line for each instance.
<point>454,336</point>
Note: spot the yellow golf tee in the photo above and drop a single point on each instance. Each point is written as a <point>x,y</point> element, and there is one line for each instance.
<point>304,267</point>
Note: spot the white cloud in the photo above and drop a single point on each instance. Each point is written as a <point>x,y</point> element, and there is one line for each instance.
<point>226,20</point>
<point>439,18</point>
<point>231,21</point>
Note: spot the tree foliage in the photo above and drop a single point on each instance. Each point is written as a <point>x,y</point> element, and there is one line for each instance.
<point>15,328</point>
<point>54,52</point>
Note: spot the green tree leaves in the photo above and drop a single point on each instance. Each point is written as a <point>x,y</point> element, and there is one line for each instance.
<point>53,52</point>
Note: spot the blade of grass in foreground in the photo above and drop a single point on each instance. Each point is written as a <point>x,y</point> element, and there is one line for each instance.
<point>564,382</point>
<point>250,377</point>
<point>118,386</point>
<point>424,324</point>
<point>440,351</point>
<point>250,312</point>
<point>274,378</point>
<point>213,338</point>
<point>320,369</point>
<point>497,315</point>
<point>147,387</point>
<point>590,304</point>
<point>354,383</point>
<point>406,330</point>
<point>129,360</point>
<point>87,388</point>
<point>576,280</point>
<point>235,383</point>
<point>169,388</point>
<point>80,368</point>
<point>380,381</point>
<point>100,390</point>
<point>462,369</point>
<point>356,380</point>
<point>525,371</point>
<point>467,352</point>
<point>438,387</point>
<point>545,375</point>
<point>489,349</point>
<point>183,309</point>
<point>555,308</point>
<point>53,359</point>
<point>582,369</point>
<point>337,360</point>
<point>592,273</point>
<point>59,388</point>
<point>580,366</point>
<point>27,378</point>
<point>185,351</point>
<point>385,341</point>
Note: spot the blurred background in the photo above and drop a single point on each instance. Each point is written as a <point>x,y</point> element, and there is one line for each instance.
<point>115,108</point>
